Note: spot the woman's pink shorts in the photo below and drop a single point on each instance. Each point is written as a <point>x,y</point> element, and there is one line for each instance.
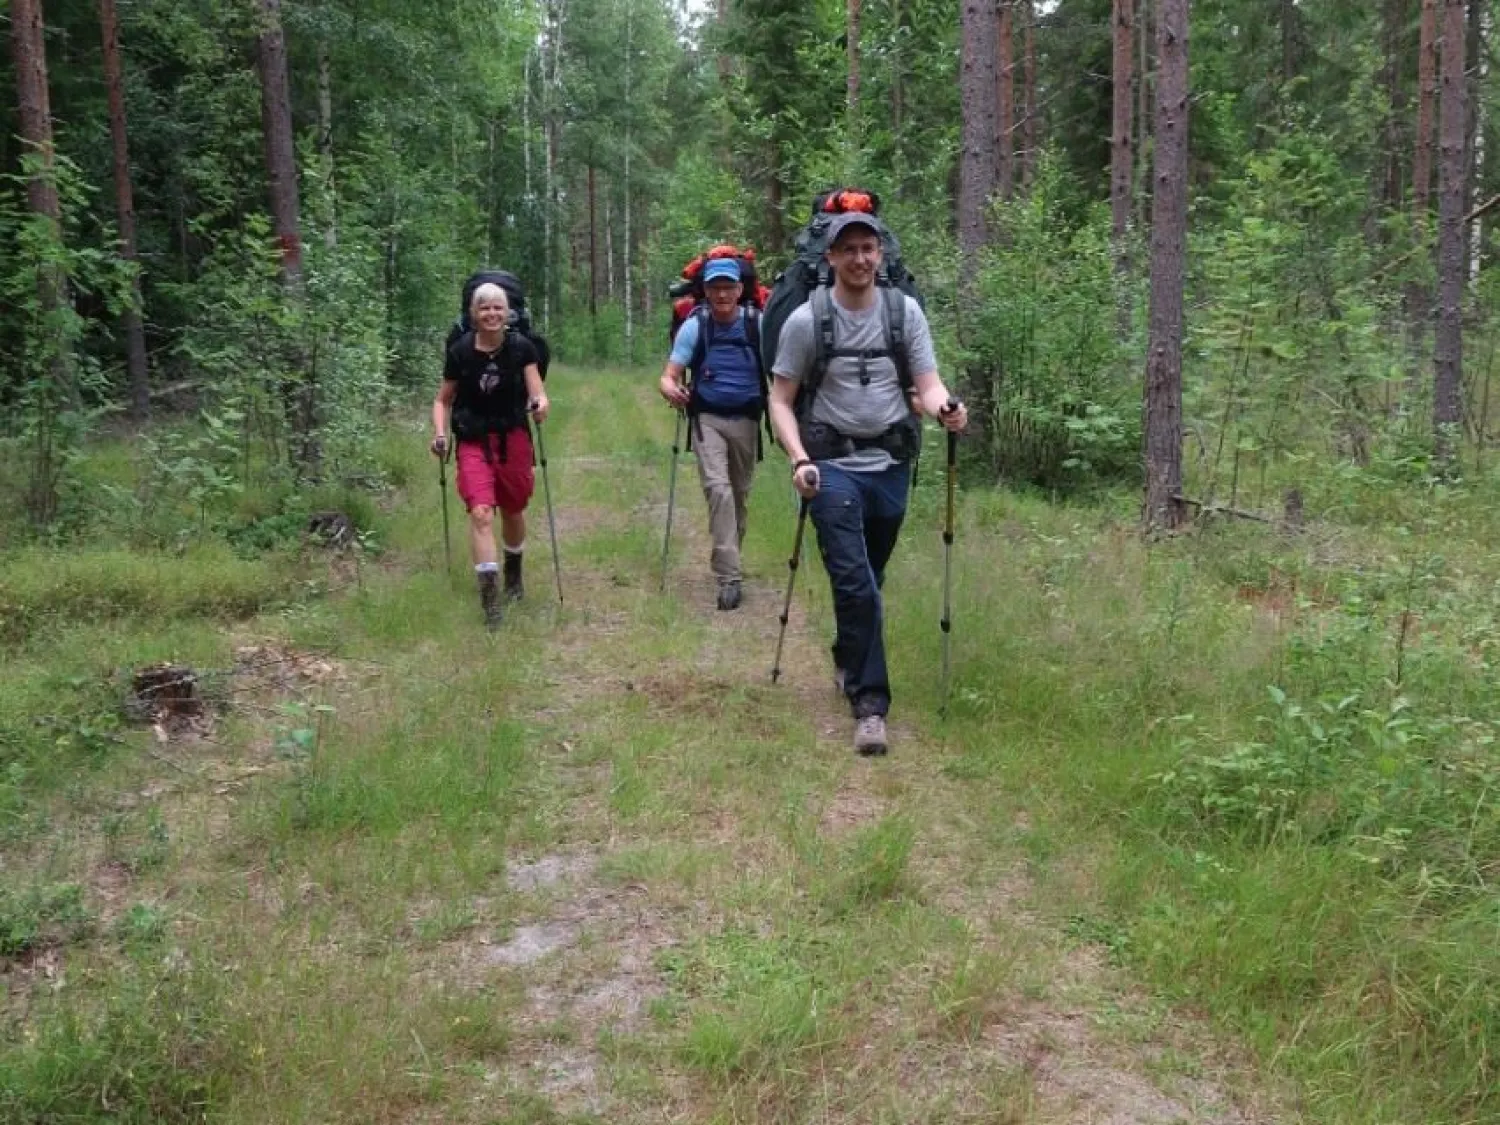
<point>495,482</point>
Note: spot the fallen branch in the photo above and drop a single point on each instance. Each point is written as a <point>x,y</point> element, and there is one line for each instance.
<point>1208,509</point>
<point>1488,205</point>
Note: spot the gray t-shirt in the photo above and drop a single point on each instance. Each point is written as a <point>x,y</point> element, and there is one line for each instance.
<point>852,407</point>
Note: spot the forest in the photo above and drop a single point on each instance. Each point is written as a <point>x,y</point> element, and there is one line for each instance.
<point>1208,827</point>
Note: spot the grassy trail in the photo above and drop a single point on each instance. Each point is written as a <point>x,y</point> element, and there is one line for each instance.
<point>594,867</point>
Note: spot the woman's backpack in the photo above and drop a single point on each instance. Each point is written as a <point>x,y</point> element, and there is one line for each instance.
<point>520,318</point>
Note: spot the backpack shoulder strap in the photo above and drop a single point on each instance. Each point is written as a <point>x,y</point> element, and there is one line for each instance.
<point>699,316</point>
<point>821,303</point>
<point>895,334</point>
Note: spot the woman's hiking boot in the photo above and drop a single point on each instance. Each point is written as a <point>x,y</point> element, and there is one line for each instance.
<point>729,596</point>
<point>489,599</point>
<point>514,589</point>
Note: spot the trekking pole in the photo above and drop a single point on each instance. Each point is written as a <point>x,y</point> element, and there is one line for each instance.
<point>541,452</point>
<point>671,498</point>
<point>443,489</point>
<point>791,581</point>
<point>947,620</point>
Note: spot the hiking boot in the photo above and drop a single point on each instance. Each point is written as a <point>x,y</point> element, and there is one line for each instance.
<point>869,736</point>
<point>729,596</point>
<point>514,589</point>
<point>489,600</point>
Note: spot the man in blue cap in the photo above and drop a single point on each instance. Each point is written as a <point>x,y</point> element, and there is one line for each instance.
<point>717,349</point>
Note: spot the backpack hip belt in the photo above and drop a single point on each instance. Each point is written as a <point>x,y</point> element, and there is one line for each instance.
<point>824,443</point>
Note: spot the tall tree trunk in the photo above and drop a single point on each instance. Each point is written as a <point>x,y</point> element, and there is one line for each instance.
<point>852,45</point>
<point>1288,40</point>
<point>1030,126</point>
<point>1005,99</point>
<point>593,247</point>
<point>629,246</point>
<point>1448,342</point>
<point>1418,297</point>
<point>775,203</point>
<point>1122,155</point>
<point>135,332</point>
<point>609,247</point>
<point>301,397</point>
<point>1145,68</point>
<point>726,63</point>
<point>29,55</point>
<point>898,94</point>
<point>552,127</point>
<point>281,152</point>
<point>526,187</point>
<point>1476,67</point>
<point>1164,509</point>
<point>976,173</point>
<point>325,142</point>
<point>1393,36</point>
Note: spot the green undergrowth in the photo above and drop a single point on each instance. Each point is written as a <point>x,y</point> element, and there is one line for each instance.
<point>1256,771</point>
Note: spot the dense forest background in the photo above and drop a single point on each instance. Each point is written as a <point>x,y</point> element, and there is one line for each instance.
<point>1222,272</point>
<point>305,186</point>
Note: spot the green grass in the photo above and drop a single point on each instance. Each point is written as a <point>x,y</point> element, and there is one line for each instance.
<point>1120,849</point>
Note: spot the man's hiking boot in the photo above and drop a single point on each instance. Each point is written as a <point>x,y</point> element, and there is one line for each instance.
<point>729,596</point>
<point>869,736</point>
<point>489,599</point>
<point>514,589</point>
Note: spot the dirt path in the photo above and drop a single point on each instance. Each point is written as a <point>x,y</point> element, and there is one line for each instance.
<point>1039,1027</point>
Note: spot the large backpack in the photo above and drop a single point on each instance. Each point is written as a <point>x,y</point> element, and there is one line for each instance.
<point>809,274</point>
<point>688,294</point>
<point>520,319</point>
<point>691,300</point>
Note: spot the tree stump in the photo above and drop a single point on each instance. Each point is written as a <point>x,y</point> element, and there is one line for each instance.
<point>166,694</point>
<point>1291,517</point>
<point>332,529</point>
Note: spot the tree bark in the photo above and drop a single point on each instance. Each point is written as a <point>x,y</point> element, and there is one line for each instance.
<point>1394,16</point>
<point>1448,335</point>
<point>976,174</point>
<point>280,146</point>
<point>1030,126</point>
<point>1476,67</point>
<point>726,63</point>
<point>1288,40</point>
<point>629,248</point>
<point>593,247</point>
<point>135,332</point>
<point>852,46</point>
<point>1145,64</point>
<point>1418,297</point>
<point>301,395</point>
<point>325,142</point>
<point>1005,99</point>
<point>29,54</point>
<point>1164,509</point>
<point>1122,155</point>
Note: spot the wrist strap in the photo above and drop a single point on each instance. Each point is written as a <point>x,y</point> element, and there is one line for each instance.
<point>799,464</point>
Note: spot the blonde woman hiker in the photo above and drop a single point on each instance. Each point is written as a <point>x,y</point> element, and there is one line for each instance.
<point>491,388</point>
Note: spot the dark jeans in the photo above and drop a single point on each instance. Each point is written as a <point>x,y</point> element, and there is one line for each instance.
<point>857,517</point>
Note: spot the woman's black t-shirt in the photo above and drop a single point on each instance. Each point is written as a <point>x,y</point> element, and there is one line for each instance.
<point>491,395</point>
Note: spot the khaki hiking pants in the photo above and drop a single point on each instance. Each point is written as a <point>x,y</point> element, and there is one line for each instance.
<point>726,466</point>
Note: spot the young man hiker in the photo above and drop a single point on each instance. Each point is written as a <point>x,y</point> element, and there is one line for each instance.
<point>491,382</point>
<point>724,400</point>
<point>851,446</point>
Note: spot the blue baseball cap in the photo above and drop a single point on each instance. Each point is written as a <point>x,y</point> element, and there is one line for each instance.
<point>721,269</point>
